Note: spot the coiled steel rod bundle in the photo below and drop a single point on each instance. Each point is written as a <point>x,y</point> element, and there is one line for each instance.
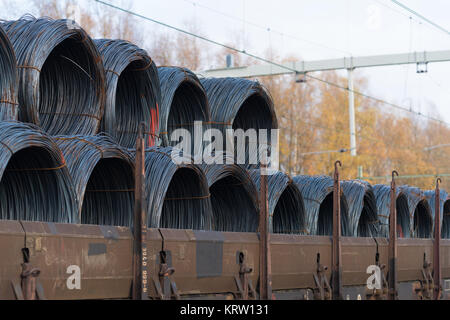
<point>383,197</point>
<point>421,221</point>
<point>317,193</point>
<point>8,79</point>
<point>234,198</point>
<point>183,102</point>
<point>102,174</point>
<point>445,223</point>
<point>285,202</point>
<point>35,183</point>
<point>176,191</point>
<point>61,76</point>
<point>133,91</point>
<point>362,208</point>
<point>241,104</point>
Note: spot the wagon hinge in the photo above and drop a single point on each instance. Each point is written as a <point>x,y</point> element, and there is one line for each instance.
<point>165,285</point>
<point>29,288</point>
<point>382,292</point>
<point>322,291</point>
<point>424,288</point>
<point>243,282</point>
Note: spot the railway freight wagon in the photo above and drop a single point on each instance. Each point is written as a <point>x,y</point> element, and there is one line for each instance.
<point>83,216</point>
<point>202,264</point>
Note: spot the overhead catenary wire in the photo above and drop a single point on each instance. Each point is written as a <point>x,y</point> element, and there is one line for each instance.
<point>286,207</point>
<point>133,92</point>
<point>177,194</point>
<point>267,28</point>
<point>362,208</point>
<point>103,176</point>
<point>8,81</point>
<point>234,198</point>
<point>317,193</point>
<point>444,219</point>
<point>403,108</point>
<point>383,198</point>
<point>61,76</point>
<point>421,220</point>
<point>184,101</point>
<point>35,184</point>
<point>421,17</point>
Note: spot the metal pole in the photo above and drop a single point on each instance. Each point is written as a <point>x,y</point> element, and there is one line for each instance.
<point>437,243</point>
<point>336,275</point>
<point>393,241</point>
<point>265,270</point>
<point>140,257</point>
<point>351,112</point>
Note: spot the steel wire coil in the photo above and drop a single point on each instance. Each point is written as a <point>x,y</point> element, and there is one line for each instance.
<point>61,76</point>
<point>8,80</point>
<point>444,219</point>
<point>103,176</point>
<point>421,221</point>
<point>234,198</point>
<point>183,102</point>
<point>177,192</point>
<point>383,197</point>
<point>362,208</point>
<point>241,104</point>
<point>317,193</point>
<point>285,202</point>
<point>133,92</point>
<point>35,184</point>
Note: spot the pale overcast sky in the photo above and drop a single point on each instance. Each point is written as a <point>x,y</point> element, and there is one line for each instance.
<point>322,29</point>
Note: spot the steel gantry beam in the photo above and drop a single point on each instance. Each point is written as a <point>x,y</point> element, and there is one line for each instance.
<point>349,63</point>
<point>327,65</point>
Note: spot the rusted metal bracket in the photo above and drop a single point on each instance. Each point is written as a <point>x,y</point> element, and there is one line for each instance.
<point>336,271</point>
<point>382,293</point>
<point>265,270</point>
<point>322,291</point>
<point>140,254</point>
<point>437,244</point>
<point>243,283</point>
<point>29,288</point>
<point>424,288</point>
<point>166,287</point>
<point>392,275</point>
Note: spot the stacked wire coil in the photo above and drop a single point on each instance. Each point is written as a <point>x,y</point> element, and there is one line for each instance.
<point>177,192</point>
<point>317,192</point>
<point>61,76</point>
<point>35,184</point>
<point>383,198</point>
<point>362,207</point>
<point>103,176</point>
<point>8,81</point>
<point>133,92</point>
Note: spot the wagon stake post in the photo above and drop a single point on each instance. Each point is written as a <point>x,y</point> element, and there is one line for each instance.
<point>336,272</point>
<point>140,254</point>
<point>437,244</point>
<point>392,276</point>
